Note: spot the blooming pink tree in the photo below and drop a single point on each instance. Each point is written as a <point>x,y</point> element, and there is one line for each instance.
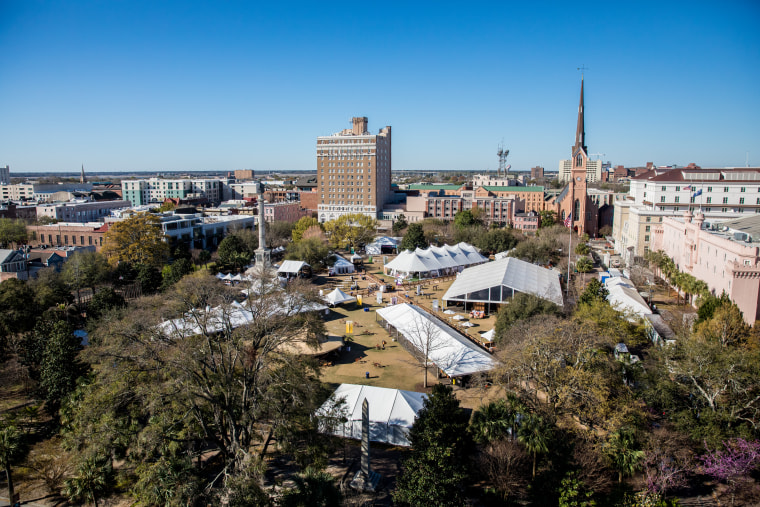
<point>733,464</point>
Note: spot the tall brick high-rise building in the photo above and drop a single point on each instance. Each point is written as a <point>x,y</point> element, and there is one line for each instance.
<point>353,171</point>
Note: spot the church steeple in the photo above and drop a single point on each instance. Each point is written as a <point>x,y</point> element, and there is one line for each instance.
<point>580,131</point>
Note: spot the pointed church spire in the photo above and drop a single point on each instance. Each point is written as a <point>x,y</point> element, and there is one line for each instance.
<point>580,131</point>
<point>82,179</point>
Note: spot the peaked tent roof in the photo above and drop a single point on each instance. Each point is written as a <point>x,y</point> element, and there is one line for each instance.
<point>337,297</point>
<point>391,412</point>
<point>436,258</point>
<point>624,296</point>
<point>292,266</point>
<point>450,351</point>
<point>340,261</point>
<point>478,283</point>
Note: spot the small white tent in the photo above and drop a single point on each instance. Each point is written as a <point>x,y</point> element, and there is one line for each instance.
<point>391,412</point>
<point>342,266</point>
<point>337,297</point>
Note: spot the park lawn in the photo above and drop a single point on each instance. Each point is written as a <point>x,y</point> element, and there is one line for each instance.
<point>398,369</point>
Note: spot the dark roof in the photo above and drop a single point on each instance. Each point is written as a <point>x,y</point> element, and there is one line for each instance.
<point>306,181</point>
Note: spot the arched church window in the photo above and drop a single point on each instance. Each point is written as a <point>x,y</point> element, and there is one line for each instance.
<point>578,160</point>
<point>577,209</point>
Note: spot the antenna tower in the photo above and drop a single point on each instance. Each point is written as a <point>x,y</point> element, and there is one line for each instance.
<point>503,154</point>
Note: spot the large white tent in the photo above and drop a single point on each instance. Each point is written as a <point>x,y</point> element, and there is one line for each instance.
<point>234,315</point>
<point>498,281</point>
<point>391,412</point>
<point>434,261</point>
<point>292,269</point>
<point>451,352</point>
<point>380,245</point>
<point>624,296</point>
<point>337,297</point>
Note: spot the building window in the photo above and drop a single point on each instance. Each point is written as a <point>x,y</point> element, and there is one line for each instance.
<point>678,199</point>
<point>725,189</point>
<point>741,200</point>
<point>743,189</point>
<point>647,228</point>
<point>649,219</point>
<point>725,200</point>
<point>709,189</point>
<point>663,188</point>
<point>678,189</point>
<point>646,238</point>
<point>662,199</point>
<point>709,200</point>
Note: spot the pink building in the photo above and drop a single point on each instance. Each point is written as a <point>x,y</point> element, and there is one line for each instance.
<point>723,256</point>
<point>529,222</point>
<point>284,212</point>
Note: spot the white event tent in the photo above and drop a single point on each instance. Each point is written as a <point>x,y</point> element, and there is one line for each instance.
<point>342,266</point>
<point>498,281</point>
<point>234,315</point>
<point>391,412</point>
<point>451,352</point>
<point>292,269</point>
<point>380,244</point>
<point>624,296</point>
<point>434,261</point>
<point>337,297</point>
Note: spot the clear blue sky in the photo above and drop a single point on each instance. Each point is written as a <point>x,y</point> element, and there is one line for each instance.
<point>185,85</point>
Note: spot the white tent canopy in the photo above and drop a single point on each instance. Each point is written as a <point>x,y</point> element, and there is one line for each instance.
<point>448,350</point>
<point>291,268</point>
<point>234,315</point>
<point>391,412</point>
<point>434,261</point>
<point>337,297</point>
<point>488,335</point>
<point>498,281</point>
<point>376,247</point>
<point>341,266</point>
<point>624,296</point>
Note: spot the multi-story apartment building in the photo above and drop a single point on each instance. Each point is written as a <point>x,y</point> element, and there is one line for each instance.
<point>528,222</point>
<point>593,171</point>
<point>537,173</point>
<point>724,255</point>
<point>5,175</point>
<point>156,190</point>
<point>533,197</point>
<point>720,194</point>
<point>284,212</point>
<point>20,192</point>
<point>80,211</point>
<point>354,171</point>
<point>496,209</point>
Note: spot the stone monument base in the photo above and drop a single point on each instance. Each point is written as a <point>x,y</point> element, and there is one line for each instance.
<point>361,482</point>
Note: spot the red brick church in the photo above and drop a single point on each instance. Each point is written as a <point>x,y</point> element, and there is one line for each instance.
<point>573,200</point>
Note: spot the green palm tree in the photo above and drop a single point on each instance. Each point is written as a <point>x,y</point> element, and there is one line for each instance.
<point>92,479</point>
<point>11,450</point>
<point>492,422</point>
<point>535,434</point>
<point>621,450</point>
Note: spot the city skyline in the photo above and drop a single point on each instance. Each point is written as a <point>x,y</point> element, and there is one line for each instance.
<point>189,86</point>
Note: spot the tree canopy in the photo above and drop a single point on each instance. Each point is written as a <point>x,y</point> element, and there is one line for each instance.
<point>414,238</point>
<point>138,239</point>
<point>351,230</point>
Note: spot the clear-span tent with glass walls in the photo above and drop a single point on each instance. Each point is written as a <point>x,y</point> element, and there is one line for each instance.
<point>391,413</point>
<point>493,284</point>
